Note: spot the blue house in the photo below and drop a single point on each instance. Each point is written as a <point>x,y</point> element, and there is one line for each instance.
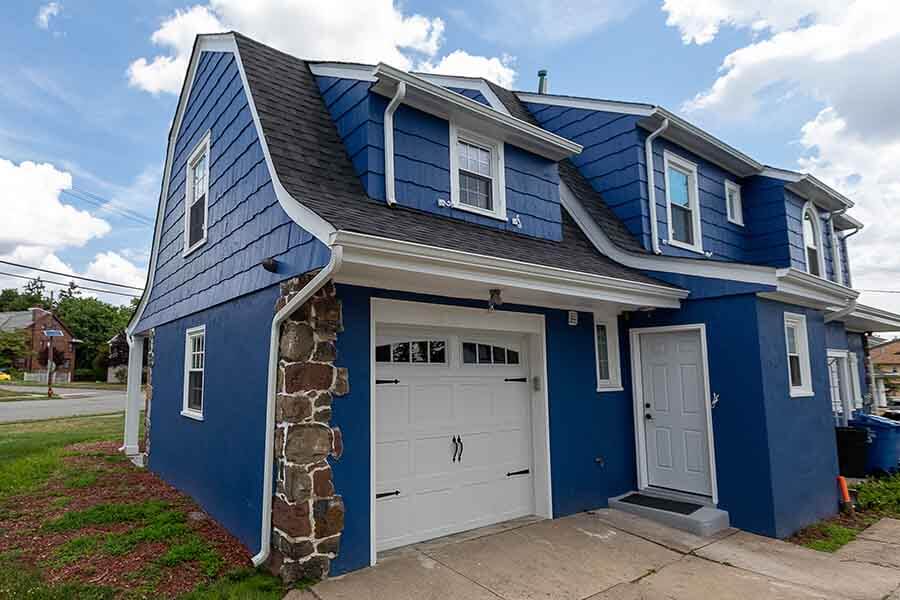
<point>385,307</point>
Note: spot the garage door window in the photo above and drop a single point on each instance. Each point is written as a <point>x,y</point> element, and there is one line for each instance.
<point>424,352</point>
<point>474,353</point>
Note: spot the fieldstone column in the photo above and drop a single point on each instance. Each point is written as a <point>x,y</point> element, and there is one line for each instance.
<point>307,513</point>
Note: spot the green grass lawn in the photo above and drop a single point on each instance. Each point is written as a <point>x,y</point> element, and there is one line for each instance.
<point>39,469</point>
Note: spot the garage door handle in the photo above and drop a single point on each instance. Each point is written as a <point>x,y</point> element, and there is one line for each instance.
<point>455,448</point>
<point>522,472</point>
<point>461,448</point>
<point>517,379</point>
<point>386,494</point>
<point>380,381</point>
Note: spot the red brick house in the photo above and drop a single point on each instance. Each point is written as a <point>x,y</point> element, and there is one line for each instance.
<point>34,322</point>
<point>886,364</point>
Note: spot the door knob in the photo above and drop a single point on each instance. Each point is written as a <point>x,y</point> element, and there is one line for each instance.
<point>648,416</point>
<point>646,405</point>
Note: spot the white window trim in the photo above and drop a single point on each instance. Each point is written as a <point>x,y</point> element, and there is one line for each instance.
<point>202,147</point>
<point>498,171</point>
<point>614,383</point>
<point>810,208</point>
<point>185,411</point>
<point>802,339</point>
<point>854,380</point>
<point>670,159</point>
<point>737,219</point>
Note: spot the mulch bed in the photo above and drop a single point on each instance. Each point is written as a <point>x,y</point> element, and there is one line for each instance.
<point>118,481</point>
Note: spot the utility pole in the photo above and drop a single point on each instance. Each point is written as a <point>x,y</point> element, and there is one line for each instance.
<point>51,364</point>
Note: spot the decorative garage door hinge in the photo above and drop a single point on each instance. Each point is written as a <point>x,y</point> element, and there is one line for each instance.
<point>522,472</point>
<point>516,379</point>
<point>381,381</point>
<point>387,494</point>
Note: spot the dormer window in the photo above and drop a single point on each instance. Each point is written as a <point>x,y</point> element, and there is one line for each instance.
<point>477,180</point>
<point>196,201</point>
<point>812,241</point>
<point>683,203</point>
<point>733,205</point>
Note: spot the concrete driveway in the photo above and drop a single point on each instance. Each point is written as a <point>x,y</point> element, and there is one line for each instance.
<point>611,555</point>
<point>72,402</point>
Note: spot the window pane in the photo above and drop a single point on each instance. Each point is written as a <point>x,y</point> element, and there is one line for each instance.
<point>484,354</point>
<point>195,390</point>
<point>438,352</point>
<point>499,355</point>
<point>796,376</point>
<point>197,221</point>
<point>679,191</point>
<point>734,209</point>
<point>400,352</point>
<point>809,231</point>
<point>512,357</point>
<point>602,353</point>
<point>812,261</point>
<point>791,331</point>
<point>419,352</point>
<point>475,191</point>
<point>682,225</point>
<point>383,353</point>
<point>469,353</point>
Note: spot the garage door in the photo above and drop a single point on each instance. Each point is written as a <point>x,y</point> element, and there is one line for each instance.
<point>453,433</point>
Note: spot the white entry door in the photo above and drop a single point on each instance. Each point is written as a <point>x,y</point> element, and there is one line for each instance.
<point>453,434</point>
<point>674,406</point>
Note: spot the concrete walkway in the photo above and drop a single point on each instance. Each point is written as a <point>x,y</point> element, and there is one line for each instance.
<point>611,555</point>
<point>72,402</point>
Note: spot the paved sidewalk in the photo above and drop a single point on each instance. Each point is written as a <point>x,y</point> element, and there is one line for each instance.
<point>611,555</point>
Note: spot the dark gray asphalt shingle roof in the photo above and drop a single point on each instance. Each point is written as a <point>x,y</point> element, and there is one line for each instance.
<point>312,164</point>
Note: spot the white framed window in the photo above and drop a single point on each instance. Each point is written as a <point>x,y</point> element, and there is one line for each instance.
<point>416,352</point>
<point>733,204</point>
<point>196,199</point>
<point>194,364</point>
<point>475,353</point>
<point>812,241</point>
<point>477,179</point>
<point>606,349</point>
<point>683,203</point>
<point>837,253</point>
<point>797,345</point>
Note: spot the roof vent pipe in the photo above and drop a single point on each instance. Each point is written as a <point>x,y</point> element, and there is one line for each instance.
<point>543,82</point>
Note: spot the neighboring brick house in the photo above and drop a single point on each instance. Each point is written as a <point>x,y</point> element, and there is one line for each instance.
<point>34,321</point>
<point>886,364</point>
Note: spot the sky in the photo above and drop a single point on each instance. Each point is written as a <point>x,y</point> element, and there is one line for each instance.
<point>88,90</point>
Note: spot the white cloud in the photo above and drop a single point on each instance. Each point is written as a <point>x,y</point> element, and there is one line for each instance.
<point>112,266</point>
<point>460,62</point>
<point>843,55</point>
<point>544,21</point>
<point>349,30</point>
<point>47,12</point>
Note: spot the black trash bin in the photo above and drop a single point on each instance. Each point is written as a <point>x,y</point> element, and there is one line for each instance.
<point>852,444</point>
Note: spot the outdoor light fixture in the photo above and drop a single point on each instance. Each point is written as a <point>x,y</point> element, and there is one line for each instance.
<point>495,300</point>
<point>270,265</point>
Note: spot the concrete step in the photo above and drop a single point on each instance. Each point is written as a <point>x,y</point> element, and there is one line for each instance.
<point>705,521</point>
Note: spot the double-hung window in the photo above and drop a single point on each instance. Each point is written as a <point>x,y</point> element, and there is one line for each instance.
<point>477,174</point>
<point>196,200</point>
<point>606,348</point>
<point>812,241</point>
<point>733,205</point>
<point>683,203</point>
<point>797,345</point>
<point>194,363</point>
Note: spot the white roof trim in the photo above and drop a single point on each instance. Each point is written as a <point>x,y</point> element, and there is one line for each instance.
<point>344,71</point>
<point>378,252</point>
<point>628,108</point>
<point>810,188</point>
<point>868,318</point>
<point>444,103</point>
<point>802,289</point>
<point>309,220</point>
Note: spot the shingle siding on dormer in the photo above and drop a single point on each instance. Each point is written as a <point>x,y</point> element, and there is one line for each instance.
<point>245,223</point>
<point>422,161</point>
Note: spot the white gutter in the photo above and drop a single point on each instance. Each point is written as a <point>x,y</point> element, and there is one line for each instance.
<point>840,314</point>
<point>389,187</point>
<point>651,186</point>
<point>334,264</point>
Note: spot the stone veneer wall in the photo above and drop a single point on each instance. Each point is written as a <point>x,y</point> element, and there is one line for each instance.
<point>307,514</point>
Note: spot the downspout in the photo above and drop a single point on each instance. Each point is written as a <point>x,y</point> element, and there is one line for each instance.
<point>333,266</point>
<point>389,188</point>
<point>651,185</point>
<point>840,314</point>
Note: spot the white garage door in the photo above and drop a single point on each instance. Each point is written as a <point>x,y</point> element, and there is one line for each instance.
<point>453,433</point>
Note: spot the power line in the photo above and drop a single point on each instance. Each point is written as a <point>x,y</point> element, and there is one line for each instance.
<point>881,291</point>
<point>110,204</point>
<point>124,213</point>
<point>122,285</point>
<point>67,285</point>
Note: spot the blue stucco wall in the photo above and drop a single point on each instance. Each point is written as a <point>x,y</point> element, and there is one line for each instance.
<point>475,95</point>
<point>584,424</point>
<point>765,213</point>
<point>801,440</point>
<point>422,161</point>
<point>245,224</point>
<point>218,461</point>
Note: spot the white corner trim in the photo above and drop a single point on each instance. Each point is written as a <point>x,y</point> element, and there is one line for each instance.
<point>498,171</point>
<point>390,184</point>
<point>300,214</point>
<point>670,159</point>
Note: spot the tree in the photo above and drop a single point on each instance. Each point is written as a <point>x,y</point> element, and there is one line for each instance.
<point>13,346</point>
<point>73,291</point>
<point>93,322</point>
